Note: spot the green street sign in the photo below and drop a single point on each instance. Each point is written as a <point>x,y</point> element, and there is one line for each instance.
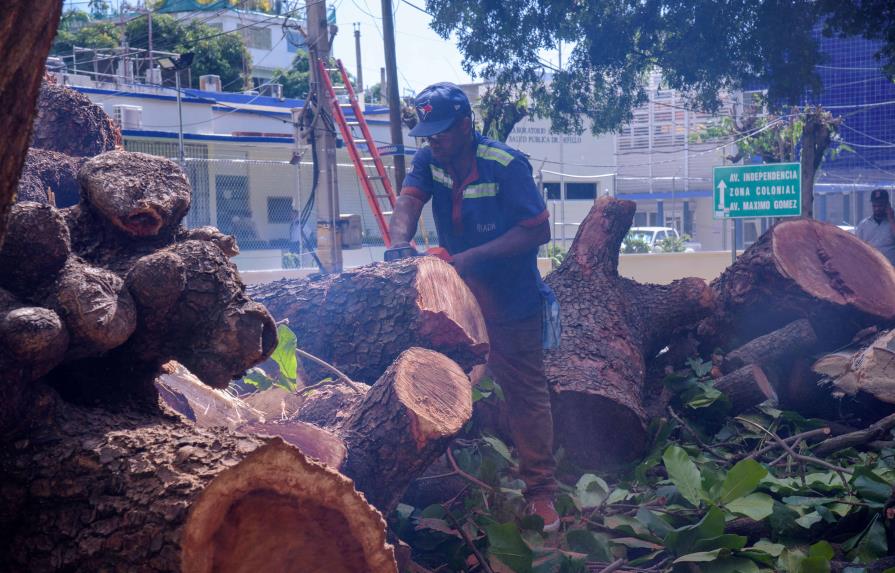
<point>769,190</point>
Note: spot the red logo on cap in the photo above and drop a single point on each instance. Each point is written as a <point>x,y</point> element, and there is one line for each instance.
<point>424,110</point>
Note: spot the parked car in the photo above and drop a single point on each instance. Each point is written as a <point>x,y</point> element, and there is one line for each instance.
<point>653,237</point>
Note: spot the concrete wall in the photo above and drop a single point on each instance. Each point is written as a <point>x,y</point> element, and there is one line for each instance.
<point>662,268</point>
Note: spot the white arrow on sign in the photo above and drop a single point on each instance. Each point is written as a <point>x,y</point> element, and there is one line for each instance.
<point>721,187</point>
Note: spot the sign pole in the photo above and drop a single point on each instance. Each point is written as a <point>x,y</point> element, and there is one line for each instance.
<point>733,242</point>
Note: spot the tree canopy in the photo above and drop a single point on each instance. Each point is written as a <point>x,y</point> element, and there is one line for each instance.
<point>702,47</point>
<point>221,54</point>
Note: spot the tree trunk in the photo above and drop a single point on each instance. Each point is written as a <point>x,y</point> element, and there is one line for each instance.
<point>816,137</point>
<point>101,491</point>
<point>802,269</point>
<point>611,327</point>
<point>746,387</point>
<point>795,339</point>
<point>27,30</point>
<point>869,370</point>
<point>404,423</point>
<point>361,320</point>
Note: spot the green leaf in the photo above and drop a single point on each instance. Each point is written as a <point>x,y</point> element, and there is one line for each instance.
<point>809,519</point>
<point>702,556</point>
<point>756,506</point>
<point>772,549</point>
<point>617,495</point>
<point>741,480</point>
<point>284,354</point>
<point>730,565</point>
<point>258,378</point>
<point>653,522</point>
<point>683,474</point>
<point>499,447</point>
<point>821,549</point>
<point>594,545</point>
<point>507,546</point>
<point>591,490</point>
<point>814,565</point>
<point>871,543</point>
<point>725,541</point>
<point>870,487</point>
<point>635,543</point>
<point>683,539</point>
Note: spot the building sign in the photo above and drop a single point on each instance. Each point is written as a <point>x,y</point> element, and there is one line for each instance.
<point>769,190</point>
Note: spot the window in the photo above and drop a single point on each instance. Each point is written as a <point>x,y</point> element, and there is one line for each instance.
<point>258,38</point>
<point>586,191</point>
<point>279,209</point>
<point>660,236</point>
<point>552,190</point>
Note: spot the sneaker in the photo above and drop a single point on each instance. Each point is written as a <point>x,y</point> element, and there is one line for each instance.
<point>544,509</point>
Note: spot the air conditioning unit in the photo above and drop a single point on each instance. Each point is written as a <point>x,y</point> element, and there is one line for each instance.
<point>210,83</point>
<point>272,90</point>
<point>250,92</point>
<point>128,116</point>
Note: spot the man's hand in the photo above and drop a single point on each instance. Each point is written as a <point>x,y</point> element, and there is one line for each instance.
<point>399,251</point>
<point>462,263</point>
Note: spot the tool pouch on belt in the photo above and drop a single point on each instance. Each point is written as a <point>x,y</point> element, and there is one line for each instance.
<point>551,323</point>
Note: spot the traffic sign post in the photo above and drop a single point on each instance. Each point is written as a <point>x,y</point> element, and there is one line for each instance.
<point>767,190</point>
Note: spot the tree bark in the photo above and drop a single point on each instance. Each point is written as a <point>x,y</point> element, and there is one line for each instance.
<point>795,339</point>
<point>611,327</point>
<point>802,269</point>
<point>128,491</point>
<point>404,423</point>
<point>746,387</point>
<point>816,137</point>
<point>27,30</point>
<point>361,320</point>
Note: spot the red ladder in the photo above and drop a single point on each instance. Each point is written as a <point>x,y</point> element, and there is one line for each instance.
<point>375,195</point>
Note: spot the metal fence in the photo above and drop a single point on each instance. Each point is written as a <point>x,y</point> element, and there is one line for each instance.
<point>267,206</point>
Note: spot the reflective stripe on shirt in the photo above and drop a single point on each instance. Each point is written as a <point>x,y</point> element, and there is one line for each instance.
<point>480,190</point>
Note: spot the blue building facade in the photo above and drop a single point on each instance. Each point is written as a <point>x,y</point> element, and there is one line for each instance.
<point>857,92</point>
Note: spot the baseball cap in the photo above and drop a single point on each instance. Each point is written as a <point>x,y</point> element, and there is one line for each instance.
<point>438,107</point>
<point>879,195</point>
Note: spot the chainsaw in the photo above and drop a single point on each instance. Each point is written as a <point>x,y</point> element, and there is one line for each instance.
<point>405,251</point>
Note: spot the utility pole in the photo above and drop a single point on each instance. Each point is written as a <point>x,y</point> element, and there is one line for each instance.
<point>383,86</point>
<point>329,237</point>
<point>394,102</point>
<point>360,70</point>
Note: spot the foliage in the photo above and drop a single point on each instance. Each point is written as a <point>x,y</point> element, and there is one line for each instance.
<point>674,511</point>
<point>615,45</point>
<point>632,244</point>
<point>872,19</point>
<point>296,80</point>
<point>774,138</point>
<point>374,93</point>
<point>221,54</point>
<point>556,254</point>
<point>500,109</point>
<point>672,244</point>
<point>286,361</point>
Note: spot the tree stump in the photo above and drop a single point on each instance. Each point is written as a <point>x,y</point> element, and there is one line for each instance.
<point>611,327</point>
<point>361,320</point>
<point>802,268</point>
<point>870,370</point>
<point>96,491</point>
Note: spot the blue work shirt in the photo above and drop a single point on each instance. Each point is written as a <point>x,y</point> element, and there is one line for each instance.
<point>498,194</point>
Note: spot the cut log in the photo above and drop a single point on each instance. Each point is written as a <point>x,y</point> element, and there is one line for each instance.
<point>27,30</point>
<point>35,251</point>
<point>52,171</point>
<point>329,407</point>
<point>611,327</point>
<point>314,442</point>
<point>871,370</point>
<point>405,421</point>
<point>746,387</point>
<point>138,194</point>
<point>802,269</point>
<point>133,492</point>
<point>68,122</point>
<point>776,348</point>
<point>361,320</point>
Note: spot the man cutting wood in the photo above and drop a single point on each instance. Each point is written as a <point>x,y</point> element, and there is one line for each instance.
<point>491,219</point>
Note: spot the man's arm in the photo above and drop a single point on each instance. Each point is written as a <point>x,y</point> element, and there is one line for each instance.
<point>518,240</point>
<point>402,226</point>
